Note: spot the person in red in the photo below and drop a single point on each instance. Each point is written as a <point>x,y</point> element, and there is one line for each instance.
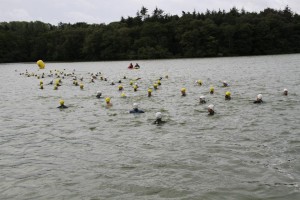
<point>130,66</point>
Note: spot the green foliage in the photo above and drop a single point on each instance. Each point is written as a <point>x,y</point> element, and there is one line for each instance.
<point>154,35</point>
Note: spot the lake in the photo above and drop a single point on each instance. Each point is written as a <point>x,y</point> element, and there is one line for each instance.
<point>91,151</point>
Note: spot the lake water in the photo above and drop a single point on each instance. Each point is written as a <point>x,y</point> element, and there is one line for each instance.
<point>89,151</point>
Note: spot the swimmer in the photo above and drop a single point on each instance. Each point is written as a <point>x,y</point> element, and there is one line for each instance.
<point>158,117</point>
<point>158,82</point>
<point>124,77</point>
<point>285,92</point>
<point>211,90</point>
<point>149,92</point>
<point>123,95</point>
<point>183,92</point>
<point>227,95</point>
<point>81,86</point>
<point>199,82</point>
<point>225,84</point>
<point>41,86</point>
<point>62,104</point>
<point>135,87</point>
<point>108,103</point>
<point>202,99</point>
<point>210,109</point>
<point>120,87</point>
<point>112,83</point>
<point>155,86</point>
<point>98,94</point>
<point>135,109</point>
<point>258,99</point>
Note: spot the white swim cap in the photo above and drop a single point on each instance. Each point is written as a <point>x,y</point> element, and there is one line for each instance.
<point>158,115</point>
<point>285,90</point>
<point>202,97</point>
<point>98,92</point>
<point>211,106</point>
<point>135,105</point>
<point>259,96</point>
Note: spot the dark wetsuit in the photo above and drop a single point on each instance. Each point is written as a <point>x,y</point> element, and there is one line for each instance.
<point>258,101</point>
<point>136,110</point>
<point>227,97</point>
<point>159,121</point>
<point>202,101</point>
<point>62,106</point>
<point>211,112</point>
<point>98,96</point>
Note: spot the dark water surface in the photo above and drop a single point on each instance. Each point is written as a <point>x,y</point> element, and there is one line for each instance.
<point>88,151</point>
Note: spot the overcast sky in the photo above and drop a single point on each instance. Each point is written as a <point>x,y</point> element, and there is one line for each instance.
<point>106,11</point>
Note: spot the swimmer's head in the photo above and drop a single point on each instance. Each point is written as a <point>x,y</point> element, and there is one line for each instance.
<point>155,85</point>
<point>259,97</point>
<point>99,93</point>
<point>211,89</point>
<point>131,82</point>
<point>41,82</point>
<point>158,115</point>
<point>120,87</point>
<point>202,98</point>
<point>285,91</point>
<point>227,94</point>
<point>107,100</point>
<point>149,90</point>
<point>135,106</point>
<point>199,82</point>
<point>211,107</point>
<point>81,85</point>
<point>183,90</point>
<point>123,94</point>
<point>61,102</point>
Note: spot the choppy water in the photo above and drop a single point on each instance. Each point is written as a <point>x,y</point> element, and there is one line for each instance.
<point>88,151</point>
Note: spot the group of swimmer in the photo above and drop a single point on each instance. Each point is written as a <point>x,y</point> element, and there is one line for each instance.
<point>62,74</point>
<point>136,66</point>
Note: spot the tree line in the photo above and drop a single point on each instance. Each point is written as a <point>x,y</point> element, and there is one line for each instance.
<point>155,35</point>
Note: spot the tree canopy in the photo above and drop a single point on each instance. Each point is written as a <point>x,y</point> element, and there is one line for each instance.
<point>155,35</point>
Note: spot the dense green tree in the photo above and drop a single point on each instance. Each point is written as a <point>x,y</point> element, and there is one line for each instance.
<point>154,36</point>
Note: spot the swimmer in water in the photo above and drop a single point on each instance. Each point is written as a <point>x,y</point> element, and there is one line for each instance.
<point>202,99</point>
<point>98,94</point>
<point>258,99</point>
<point>183,92</point>
<point>210,109</point>
<point>62,104</point>
<point>285,92</point>
<point>136,109</point>
<point>211,90</point>
<point>158,119</point>
<point>149,92</point>
<point>225,84</point>
<point>107,100</point>
<point>227,95</point>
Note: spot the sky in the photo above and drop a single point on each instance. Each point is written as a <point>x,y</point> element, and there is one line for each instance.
<point>106,11</point>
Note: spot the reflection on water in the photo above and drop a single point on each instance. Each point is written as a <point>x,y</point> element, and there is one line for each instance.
<point>88,151</point>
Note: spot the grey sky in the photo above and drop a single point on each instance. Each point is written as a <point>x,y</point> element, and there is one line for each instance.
<point>106,11</point>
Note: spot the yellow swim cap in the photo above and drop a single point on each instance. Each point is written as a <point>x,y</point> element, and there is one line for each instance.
<point>149,90</point>
<point>61,102</point>
<point>107,99</point>
<point>81,86</point>
<point>199,82</point>
<point>41,82</point>
<point>135,86</point>
<point>123,94</point>
<point>212,88</point>
<point>183,89</point>
<point>131,82</point>
<point>120,86</point>
<point>227,93</point>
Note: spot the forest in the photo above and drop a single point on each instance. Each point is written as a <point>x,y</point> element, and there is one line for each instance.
<point>154,35</point>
